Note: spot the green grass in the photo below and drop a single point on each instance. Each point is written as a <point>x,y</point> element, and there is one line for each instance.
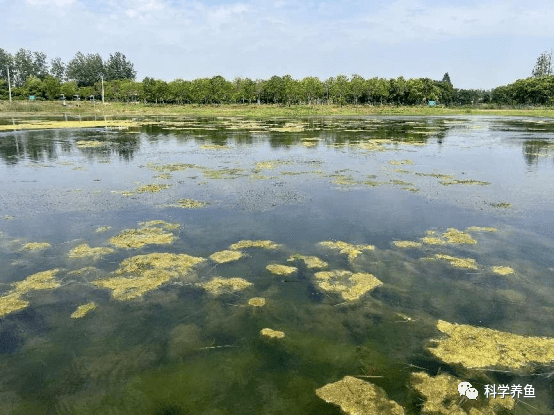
<point>264,110</point>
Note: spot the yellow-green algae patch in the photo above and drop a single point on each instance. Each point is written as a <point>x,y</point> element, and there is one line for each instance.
<point>163,176</point>
<point>219,285</point>
<point>267,244</point>
<point>454,236</point>
<point>351,286</point>
<point>442,397</point>
<point>463,182</point>
<point>83,310</point>
<point>256,302</point>
<point>151,188</point>
<point>345,248</point>
<point>83,144</point>
<point>406,244</point>
<point>38,281</point>
<point>188,203</point>
<point>401,162</point>
<point>170,167</point>
<point>280,269</point>
<point>214,147</point>
<point>357,397</point>
<point>165,225</point>
<point>478,229</point>
<point>271,333</point>
<point>502,270</point>
<point>477,347</point>
<point>12,302</point>
<point>501,205</point>
<point>312,262</point>
<point>270,164</point>
<point>102,229</point>
<point>84,251</point>
<point>50,124</point>
<point>140,274</point>
<point>36,246</point>
<point>464,263</point>
<point>137,238</point>
<point>436,241</point>
<point>226,256</point>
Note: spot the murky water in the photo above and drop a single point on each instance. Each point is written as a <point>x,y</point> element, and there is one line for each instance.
<point>174,346</point>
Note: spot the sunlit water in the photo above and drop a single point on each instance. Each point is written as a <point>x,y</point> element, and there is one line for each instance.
<point>180,349</point>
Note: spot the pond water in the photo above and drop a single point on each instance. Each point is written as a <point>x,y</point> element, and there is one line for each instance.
<point>164,335</point>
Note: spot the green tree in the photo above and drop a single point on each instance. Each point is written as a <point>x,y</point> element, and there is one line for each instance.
<point>544,65</point>
<point>398,89</point>
<point>52,87</point>
<point>118,67</point>
<point>357,84</point>
<point>57,69</point>
<point>33,86</point>
<point>311,89</point>
<point>273,90</point>
<point>446,79</point>
<point>249,89</point>
<point>69,89</point>
<point>6,61</point>
<point>291,90</point>
<point>85,69</point>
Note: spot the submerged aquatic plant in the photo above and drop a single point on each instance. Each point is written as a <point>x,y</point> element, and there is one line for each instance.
<point>188,203</point>
<point>351,286</point>
<point>170,167</point>
<point>151,188</point>
<point>36,246</point>
<point>454,236</point>
<point>219,285</point>
<point>84,250</point>
<point>280,269</point>
<point>464,263</point>
<point>442,397</point>
<point>345,248</point>
<point>271,333</point>
<point>477,347</point>
<point>165,225</point>
<point>225,256</point>
<point>268,244</point>
<point>312,262</point>
<point>12,302</point>
<point>357,397</point>
<point>83,310</point>
<point>502,270</point>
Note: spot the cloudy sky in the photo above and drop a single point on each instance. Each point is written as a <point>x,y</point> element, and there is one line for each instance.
<point>481,44</point>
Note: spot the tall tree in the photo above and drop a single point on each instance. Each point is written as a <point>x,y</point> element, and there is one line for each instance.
<point>6,61</point>
<point>85,69</point>
<point>57,69</point>
<point>446,78</point>
<point>543,65</point>
<point>118,67</point>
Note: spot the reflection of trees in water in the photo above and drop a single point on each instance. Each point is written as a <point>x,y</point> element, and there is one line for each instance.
<point>535,149</point>
<point>48,145</point>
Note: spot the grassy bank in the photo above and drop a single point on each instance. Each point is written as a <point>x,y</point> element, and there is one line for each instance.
<point>21,108</point>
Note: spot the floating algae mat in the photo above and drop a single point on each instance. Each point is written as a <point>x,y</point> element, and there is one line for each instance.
<point>244,270</point>
<point>476,347</point>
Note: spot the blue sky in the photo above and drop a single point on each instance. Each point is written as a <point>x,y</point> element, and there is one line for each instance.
<point>481,44</point>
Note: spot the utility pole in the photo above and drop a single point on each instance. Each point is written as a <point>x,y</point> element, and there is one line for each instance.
<point>102,76</point>
<point>9,84</point>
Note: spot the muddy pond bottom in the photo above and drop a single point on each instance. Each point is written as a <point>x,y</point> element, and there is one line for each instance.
<point>299,266</point>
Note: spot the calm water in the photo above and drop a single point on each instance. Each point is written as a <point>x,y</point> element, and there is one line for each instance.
<point>295,182</point>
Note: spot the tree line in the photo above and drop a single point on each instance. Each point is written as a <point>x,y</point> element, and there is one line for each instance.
<point>31,74</point>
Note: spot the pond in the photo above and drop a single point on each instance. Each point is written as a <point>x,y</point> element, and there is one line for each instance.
<point>232,265</point>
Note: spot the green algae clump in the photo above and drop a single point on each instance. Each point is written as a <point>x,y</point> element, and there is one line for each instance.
<point>84,144</point>
<point>312,262</point>
<point>103,229</point>
<point>36,246</point>
<point>165,225</point>
<point>502,270</point>
<point>345,248</point>
<point>140,274</point>
<point>137,238</point>
<point>84,251</point>
<point>351,286</point>
<point>442,397</point>
<point>38,281</point>
<point>281,270</point>
<point>151,188</point>
<point>477,347</point>
<point>83,310</point>
<point>454,236</point>
<point>357,397</point>
<point>487,229</point>
<point>226,256</point>
<point>267,244</point>
<point>219,285</point>
<point>401,162</point>
<point>12,302</point>
<point>188,203</point>
<point>464,263</point>
<point>256,302</point>
<point>406,244</point>
<point>463,182</point>
<point>271,333</point>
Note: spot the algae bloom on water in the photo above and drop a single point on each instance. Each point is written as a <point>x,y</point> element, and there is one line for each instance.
<point>12,302</point>
<point>357,397</point>
<point>345,248</point>
<point>312,262</point>
<point>271,333</point>
<point>454,236</point>
<point>477,347</point>
<point>267,244</point>
<point>226,256</point>
<point>406,244</point>
<point>464,263</point>
<point>84,251</point>
<point>502,270</point>
<point>220,285</point>
<point>137,238</point>
<point>36,246</point>
<point>280,269</point>
<point>351,286</point>
<point>256,302</point>
<point>83,310</point>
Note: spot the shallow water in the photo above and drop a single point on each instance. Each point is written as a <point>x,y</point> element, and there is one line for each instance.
<point>364,181</point>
